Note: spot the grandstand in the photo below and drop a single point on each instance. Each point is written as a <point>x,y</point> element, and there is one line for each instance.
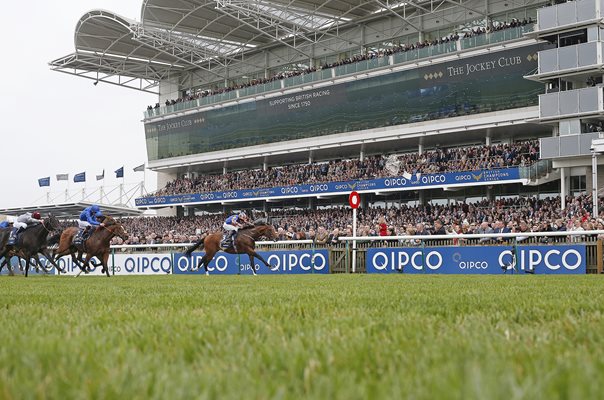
<point>261,85</point>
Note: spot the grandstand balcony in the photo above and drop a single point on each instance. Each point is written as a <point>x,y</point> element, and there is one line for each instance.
<point>567,145</point>
<point>347,70</point>
<point>580,58</point>
<point>571,103</point>
<point>569,15</point>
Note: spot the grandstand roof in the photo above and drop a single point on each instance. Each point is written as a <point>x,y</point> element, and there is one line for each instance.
<point>175,35</point>
<point>72,210</point>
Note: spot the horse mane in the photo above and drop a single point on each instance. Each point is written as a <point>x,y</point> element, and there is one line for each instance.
<point>107,220</point>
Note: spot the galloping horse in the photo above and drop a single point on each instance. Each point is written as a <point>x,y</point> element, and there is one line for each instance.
<point>245,243</point>
<point>97,245</point>
<point>30,243</point>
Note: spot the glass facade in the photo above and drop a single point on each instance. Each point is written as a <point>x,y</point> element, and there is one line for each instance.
<point>472,85</point>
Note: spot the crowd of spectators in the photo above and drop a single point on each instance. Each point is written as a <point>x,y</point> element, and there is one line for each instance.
<point>324,226</point>
<point>435,161</point>
<point>399,48</point>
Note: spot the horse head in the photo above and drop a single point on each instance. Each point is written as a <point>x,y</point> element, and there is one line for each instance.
<point>115,228</point>
<point>51,223</point>
<point>120,232</point>
<point>268,231</point>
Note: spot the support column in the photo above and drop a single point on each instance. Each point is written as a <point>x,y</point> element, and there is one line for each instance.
<point>224,168</point>
<point>422,197</point>
<point>594,183</point>
<point>487,139</point>
<point>563,188</point>
<point>362,153</point>
<point>312,204</point>
<point>420,147</point>
<point>311,156</point>
<point>490,196</point>
<point>265,164</point>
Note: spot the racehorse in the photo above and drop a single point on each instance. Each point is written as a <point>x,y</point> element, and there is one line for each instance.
<point>244,243</point>
<point>97,245</point>
<point>31,242</point>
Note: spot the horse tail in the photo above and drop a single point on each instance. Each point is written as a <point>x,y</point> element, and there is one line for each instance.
<point>197,244</point>
<point>54,239</point>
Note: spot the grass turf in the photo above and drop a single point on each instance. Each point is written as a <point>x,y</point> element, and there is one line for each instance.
<point>338,336</point>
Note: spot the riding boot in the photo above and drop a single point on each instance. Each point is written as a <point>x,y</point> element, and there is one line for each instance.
<point>233,238</point>
<point>12,239</point>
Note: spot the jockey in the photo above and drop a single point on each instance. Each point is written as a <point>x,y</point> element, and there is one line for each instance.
<point>232,224</point>
<point>4,224</point>
<point>22,222</point>
<point>88,220</point>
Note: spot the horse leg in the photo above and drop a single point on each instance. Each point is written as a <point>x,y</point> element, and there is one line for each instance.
<point>204,261</point>
<point>254,254</point>
<point>104,262</point>
<point>39,264</point>
<point>50,258</point>
<point>27,267</point>
<point>252,263</point>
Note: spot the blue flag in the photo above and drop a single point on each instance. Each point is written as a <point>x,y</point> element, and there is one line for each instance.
<point>119,173</point>
<point>44,181</point>
<point>81,177</point>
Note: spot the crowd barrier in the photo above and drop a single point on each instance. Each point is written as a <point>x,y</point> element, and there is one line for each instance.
<point>548,253</point>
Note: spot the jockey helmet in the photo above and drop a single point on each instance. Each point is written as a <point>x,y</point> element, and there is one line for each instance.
<point>95,208</point>
<point>242,214</point>
<point>36,215</point>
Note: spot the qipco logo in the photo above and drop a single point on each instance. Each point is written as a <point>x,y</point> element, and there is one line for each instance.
<point>219,264</point>
<point>290,262</point>
<point>397,260</point>
<point>554,259</point>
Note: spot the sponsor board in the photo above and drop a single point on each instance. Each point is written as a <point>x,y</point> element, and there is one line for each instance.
<point>119,264</point>
<point>495,176</point>
<point>282,262</point>
<point>563,259</point>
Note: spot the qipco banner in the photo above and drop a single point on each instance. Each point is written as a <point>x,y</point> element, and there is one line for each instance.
<point>282,262</point>
<point>119,264</point>
<point>478,260</point>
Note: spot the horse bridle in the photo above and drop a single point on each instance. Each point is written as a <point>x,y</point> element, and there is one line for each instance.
<point>44,226</point>
<point>113,233</point>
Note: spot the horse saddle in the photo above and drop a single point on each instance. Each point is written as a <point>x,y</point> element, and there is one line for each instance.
<point>79,239</point>
<point>227,240</point>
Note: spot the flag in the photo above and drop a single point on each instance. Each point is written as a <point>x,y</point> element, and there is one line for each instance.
<point>81,177</point>
<point>101,176</point>
<point>44,181</point>
<point>407,175</point>
<point>62,177</point>
<point>140,168</point>
<point>119,173</point>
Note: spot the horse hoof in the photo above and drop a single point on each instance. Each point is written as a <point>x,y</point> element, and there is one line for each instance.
<point>207,273</point>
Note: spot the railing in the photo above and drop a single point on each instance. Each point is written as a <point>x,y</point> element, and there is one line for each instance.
<point>571,103</point>
<point>341,254</point>
<point>536,170</point>
<point>570,57</point>
<point>567,145</point>
<point>348,69</point>
<point>356,248</point>
<point>570,13</point>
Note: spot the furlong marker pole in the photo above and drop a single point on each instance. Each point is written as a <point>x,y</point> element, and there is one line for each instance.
<point>354,242</point>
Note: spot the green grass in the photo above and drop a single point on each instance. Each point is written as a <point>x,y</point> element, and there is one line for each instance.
<point>339,336</point>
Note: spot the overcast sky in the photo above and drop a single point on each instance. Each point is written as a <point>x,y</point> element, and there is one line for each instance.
<point>56,123</point>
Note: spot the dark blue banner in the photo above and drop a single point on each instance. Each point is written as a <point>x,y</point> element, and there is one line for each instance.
<point>81,177</point>
<point>44,181</point>
<point>493,176</point>
<point>282,262</point>
<point>563,259</point>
